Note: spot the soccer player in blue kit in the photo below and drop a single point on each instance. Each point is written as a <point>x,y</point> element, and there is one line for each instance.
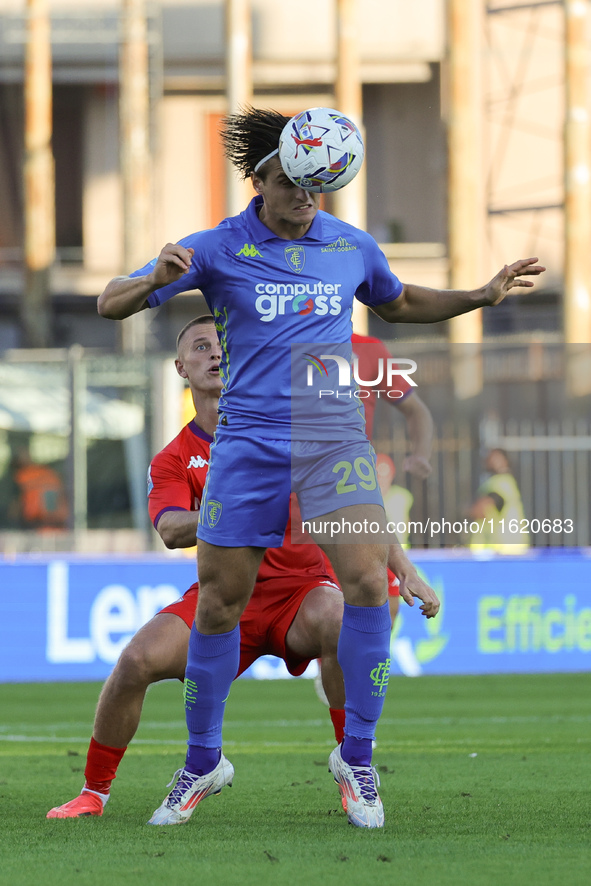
<point>278,278</point>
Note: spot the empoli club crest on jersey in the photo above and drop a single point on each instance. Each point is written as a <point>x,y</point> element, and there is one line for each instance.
<point>295,256</point>
<point>213,512</point>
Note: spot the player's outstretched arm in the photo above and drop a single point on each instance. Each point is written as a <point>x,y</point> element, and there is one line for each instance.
<point>124,296</point>
<point>411,584</point>
<point>417,304</point>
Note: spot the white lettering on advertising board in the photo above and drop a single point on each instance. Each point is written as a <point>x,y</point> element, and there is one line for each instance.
<point>115,615</point>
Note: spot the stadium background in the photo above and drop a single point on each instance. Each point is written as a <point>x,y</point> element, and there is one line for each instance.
<point>462,174</point>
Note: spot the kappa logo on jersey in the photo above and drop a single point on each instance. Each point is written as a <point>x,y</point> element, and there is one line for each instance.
<point>278,299</point>
<point>340,245</point>
<point>197,462</point>
<point>150,481</point>
<point>249,250</point>
<point>213,511</point>
<point>295,256</point>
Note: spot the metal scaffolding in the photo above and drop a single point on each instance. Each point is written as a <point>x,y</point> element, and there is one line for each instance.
<point>553,206</point>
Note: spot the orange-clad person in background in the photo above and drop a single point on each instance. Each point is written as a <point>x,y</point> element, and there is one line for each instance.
<point>40,501</point>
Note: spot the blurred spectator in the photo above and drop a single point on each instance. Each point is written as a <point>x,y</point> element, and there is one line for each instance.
<point>499,509</point>
<point>39,500</point>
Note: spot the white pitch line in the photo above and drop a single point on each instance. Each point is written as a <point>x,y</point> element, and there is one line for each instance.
<point>27,731</point>
<point>50,739</point>
<point>155,742</point>
<point>28,735</point>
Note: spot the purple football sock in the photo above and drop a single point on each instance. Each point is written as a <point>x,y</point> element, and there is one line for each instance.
<point>212,664</point>
<point>364,656</point>
<point>200,760</point>
<point>356,751</point>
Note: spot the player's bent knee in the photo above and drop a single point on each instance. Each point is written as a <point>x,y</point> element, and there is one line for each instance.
<point>219,610</point>
<point>133,665</point>
<point>139,665</point>
<point>319,619</point>
<point>369,588</point>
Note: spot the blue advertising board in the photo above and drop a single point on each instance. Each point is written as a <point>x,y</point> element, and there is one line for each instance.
<point>520,614</point>
<point>68,618</point>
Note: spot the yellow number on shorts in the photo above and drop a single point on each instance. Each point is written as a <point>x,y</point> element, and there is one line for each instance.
<point>367,473</point>
<point>364,470</point>
<point>342,485</point>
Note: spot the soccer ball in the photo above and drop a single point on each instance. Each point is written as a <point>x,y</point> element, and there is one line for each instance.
<point>321,150</point>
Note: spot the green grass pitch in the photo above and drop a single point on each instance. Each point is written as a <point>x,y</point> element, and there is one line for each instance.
<point>485,780</point>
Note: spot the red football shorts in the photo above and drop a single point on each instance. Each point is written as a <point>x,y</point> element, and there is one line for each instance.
<point>393,584</point>
<point>266,620</point>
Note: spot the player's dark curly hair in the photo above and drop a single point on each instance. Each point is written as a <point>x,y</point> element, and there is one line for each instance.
<point>250,135</point>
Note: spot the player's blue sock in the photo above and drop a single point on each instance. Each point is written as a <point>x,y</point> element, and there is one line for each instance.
<point>364,656</point>
<point>212,664</point>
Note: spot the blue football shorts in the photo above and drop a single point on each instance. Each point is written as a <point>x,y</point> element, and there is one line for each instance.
<point>248,485</point>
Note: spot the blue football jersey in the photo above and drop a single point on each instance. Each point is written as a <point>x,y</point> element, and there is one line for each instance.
<point>283,314</point>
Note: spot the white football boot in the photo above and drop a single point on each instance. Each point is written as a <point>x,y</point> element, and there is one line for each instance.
<point>190,790</point>
<point>359,795</point>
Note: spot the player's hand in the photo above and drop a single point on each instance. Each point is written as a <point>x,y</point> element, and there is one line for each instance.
<point>417,465</point>
<point>412,585</point>
<point>509,278</point>
<point>174,261</point>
